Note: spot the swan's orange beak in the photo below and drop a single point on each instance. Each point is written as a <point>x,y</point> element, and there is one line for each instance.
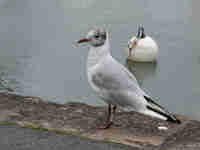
<point>133,44</point>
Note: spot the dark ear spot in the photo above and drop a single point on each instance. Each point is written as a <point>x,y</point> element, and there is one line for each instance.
<point>104,35</point>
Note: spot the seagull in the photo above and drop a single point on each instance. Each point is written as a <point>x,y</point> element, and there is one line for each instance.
<point>142,48</point>
<point>114,84</point>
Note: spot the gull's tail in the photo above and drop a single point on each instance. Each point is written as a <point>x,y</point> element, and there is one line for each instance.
<point>158,111</point>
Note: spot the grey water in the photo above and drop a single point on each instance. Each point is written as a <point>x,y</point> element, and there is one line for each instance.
<point>37,57</point>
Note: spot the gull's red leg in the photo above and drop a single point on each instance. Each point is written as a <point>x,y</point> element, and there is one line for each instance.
<point>108,122</point>
<point>113,113</point>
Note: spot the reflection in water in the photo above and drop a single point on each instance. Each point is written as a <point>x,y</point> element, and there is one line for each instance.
<point>142,71</point>
<point>76,4</point>
<point>6,84</point>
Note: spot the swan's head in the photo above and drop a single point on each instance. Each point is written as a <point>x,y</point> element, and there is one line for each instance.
<point>133,43</point>
<point>140,33</point>
<point>95,38</point>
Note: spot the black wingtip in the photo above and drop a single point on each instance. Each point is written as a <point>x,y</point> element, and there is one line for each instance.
<point>173,120</point>
<point>170,117</point>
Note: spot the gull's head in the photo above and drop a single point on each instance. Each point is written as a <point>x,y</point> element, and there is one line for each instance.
<point>95,37</point>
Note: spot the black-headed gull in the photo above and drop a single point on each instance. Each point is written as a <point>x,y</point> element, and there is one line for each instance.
<point>142,48</point>
<point>114,83</point>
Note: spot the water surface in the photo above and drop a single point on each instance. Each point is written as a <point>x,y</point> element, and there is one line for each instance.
<point>37,57</point>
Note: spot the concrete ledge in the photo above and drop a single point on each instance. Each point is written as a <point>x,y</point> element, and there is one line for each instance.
<point>130,128</point>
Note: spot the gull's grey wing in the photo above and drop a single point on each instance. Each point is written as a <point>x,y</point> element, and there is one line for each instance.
<point>111,75</point>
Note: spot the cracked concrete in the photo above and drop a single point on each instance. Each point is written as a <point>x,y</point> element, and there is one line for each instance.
<point>130,128</point>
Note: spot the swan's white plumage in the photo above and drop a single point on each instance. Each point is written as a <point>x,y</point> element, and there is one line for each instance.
<point>146,50</point>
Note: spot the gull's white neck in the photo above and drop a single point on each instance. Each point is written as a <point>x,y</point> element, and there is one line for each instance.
<point>96,54</point>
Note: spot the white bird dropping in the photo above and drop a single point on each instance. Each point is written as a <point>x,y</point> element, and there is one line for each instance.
<point>162,128</point>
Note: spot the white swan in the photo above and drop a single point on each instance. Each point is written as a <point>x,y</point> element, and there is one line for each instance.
<point>142,48</point>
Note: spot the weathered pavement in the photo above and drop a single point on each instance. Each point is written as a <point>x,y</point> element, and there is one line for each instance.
<point>133,129</point>
<point>16,138</point>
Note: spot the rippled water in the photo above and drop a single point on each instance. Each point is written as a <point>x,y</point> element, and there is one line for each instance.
<point>37,57</point>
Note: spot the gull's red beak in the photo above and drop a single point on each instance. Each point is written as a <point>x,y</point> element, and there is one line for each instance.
<point>84,40</point>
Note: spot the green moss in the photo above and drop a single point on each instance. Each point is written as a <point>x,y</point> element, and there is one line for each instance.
<point>6,123</point>
<point>38,127</point>
<point>35,127</point>
<point>60,132</point>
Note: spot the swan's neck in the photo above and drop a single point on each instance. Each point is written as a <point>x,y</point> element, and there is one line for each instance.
<point>96,54</point>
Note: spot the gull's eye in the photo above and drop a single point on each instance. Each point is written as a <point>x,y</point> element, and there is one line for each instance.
<point>96,36</point>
